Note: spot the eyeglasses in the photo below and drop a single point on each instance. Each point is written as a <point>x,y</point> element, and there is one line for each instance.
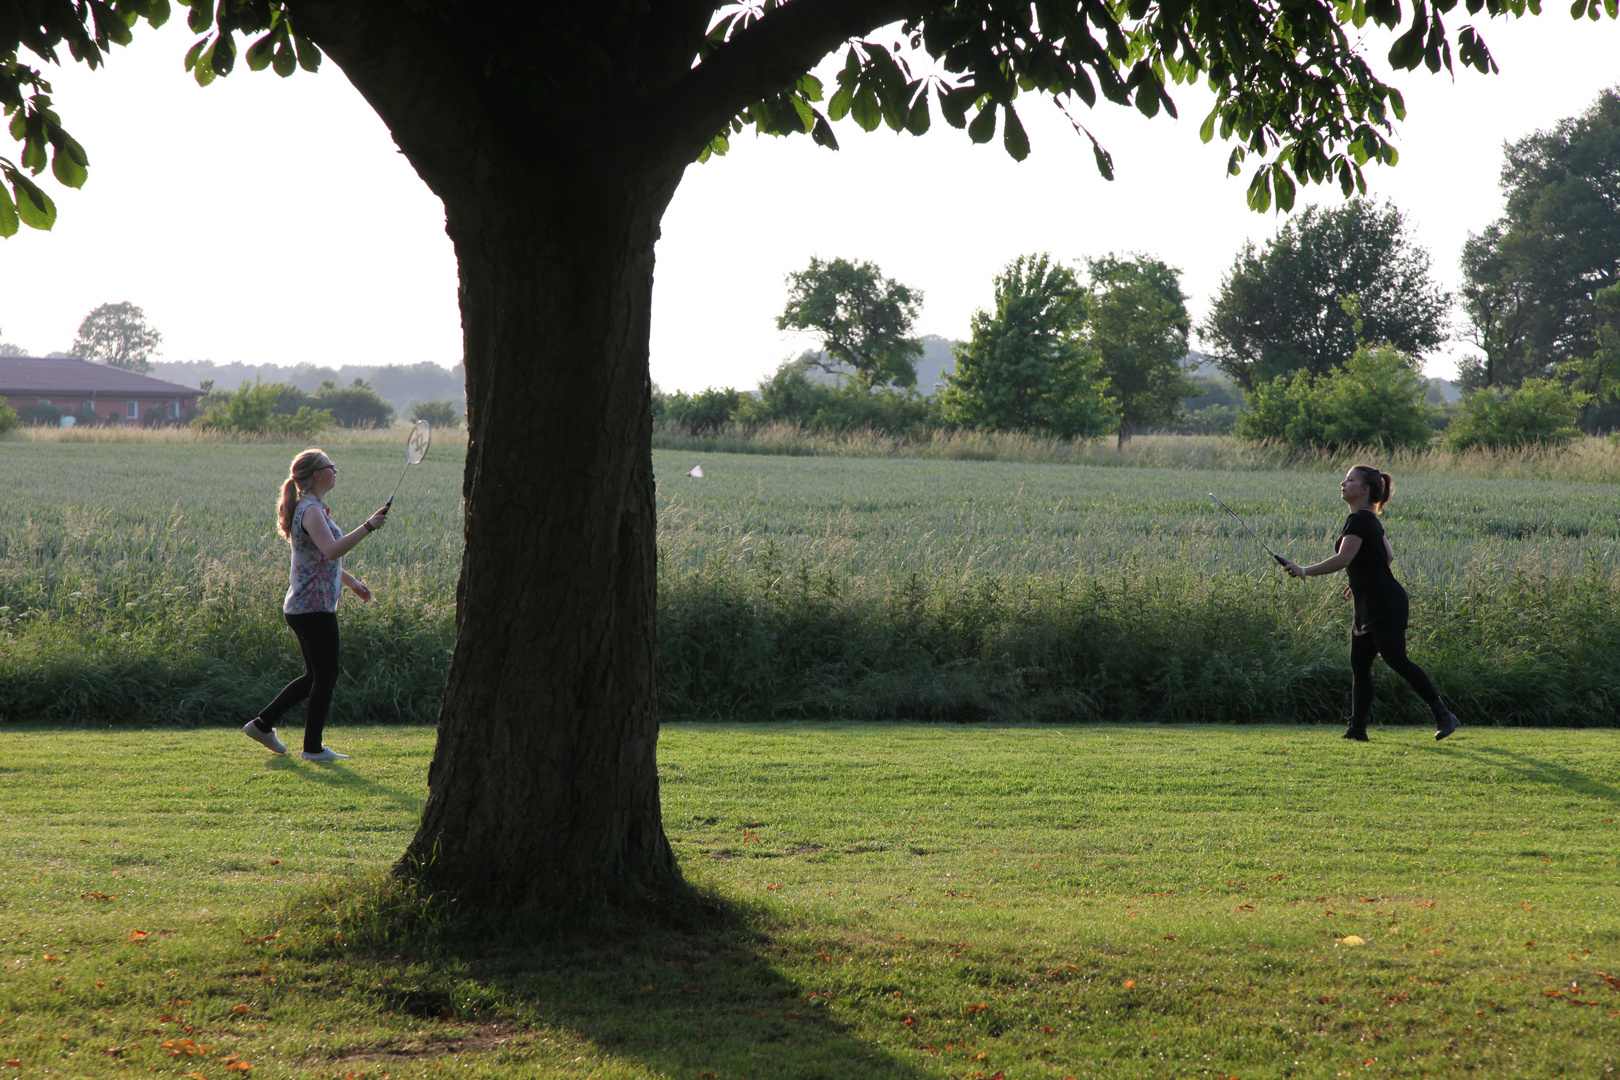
<point>328,465</point>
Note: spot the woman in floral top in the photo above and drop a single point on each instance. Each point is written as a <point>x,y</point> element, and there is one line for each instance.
<point>317,580</point>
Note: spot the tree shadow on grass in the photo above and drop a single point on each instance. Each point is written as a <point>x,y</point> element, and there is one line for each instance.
<point>1544,772</point>
<point>683,996</point>
<point>337,776</point>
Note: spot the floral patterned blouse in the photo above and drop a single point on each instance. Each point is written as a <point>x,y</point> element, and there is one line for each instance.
<point>316,580</point>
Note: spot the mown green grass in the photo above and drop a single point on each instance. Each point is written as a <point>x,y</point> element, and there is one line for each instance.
<point>911,902</point>
<point>141,582</point>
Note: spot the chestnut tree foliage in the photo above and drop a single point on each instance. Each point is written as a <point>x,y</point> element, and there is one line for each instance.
<point>555,134</point>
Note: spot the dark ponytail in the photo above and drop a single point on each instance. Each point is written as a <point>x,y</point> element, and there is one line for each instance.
<point>1380,486</point>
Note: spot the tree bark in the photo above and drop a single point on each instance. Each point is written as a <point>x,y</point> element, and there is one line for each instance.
<point>544,786</point>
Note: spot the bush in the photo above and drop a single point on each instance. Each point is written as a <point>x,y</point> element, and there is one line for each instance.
<point>40,415</point>
<point>1376,398</point>
<point>790,396</point>
<point>437,413</point>
<point>252,411</point>
<point>8,418</point>
<point>354,406</point>
<point>85,416</point>
<point>706,411</point>
<point>1540,412</point>
<point>156,416</point>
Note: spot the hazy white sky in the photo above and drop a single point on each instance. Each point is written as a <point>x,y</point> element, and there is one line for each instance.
<point>263,220</point>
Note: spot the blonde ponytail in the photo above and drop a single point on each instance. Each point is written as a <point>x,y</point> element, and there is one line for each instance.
<point>299,474</point>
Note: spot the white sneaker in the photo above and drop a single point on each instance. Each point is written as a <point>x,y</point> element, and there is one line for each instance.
<point>268,738</point>
<point>325,755</point>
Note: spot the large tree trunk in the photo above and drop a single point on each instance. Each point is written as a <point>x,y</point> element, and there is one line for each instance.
<point>544,785</point>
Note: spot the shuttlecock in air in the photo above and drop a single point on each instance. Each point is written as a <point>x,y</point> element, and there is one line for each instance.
<point>696,473</point>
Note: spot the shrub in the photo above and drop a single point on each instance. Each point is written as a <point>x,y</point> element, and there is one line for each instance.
<point>1376,398</point>
<point>155,416</point>
<point>1539,412</point>
<point>708,410</point>
<point>437,413</point>
<point>790,396</point>
<point>8,418</point>
<point>40,415</point>
<point>354,406</point>
<point>251,411</point>
<point>86,416</point>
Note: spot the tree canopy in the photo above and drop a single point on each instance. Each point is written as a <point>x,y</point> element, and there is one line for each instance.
<point>117,335</point>
<point>1027,367</point>
<point>1531,279</point>
<point>862,318</point>
<point>1279,309</point>
<point>1138,331</point>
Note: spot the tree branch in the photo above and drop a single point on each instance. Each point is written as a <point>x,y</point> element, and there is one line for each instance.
<point>765,57</point>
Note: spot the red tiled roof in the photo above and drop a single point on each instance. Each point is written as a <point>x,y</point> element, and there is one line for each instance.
<point>41,376</point>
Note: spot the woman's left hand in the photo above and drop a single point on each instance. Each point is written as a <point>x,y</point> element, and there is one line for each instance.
<point>361,591</point>
<point>1293,568</point>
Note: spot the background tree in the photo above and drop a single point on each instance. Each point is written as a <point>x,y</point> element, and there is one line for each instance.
<point>118,335</point>
<point>440,414</point>
<point>1027,367</point>
<point>354,406</point>
<point>863,319</point>
<point>1138,330</point>
<point>556,135</point>
<point>1277,310</point>
<point>1531,279</point>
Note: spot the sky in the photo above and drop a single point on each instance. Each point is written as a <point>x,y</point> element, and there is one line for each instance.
<point>264,220</point>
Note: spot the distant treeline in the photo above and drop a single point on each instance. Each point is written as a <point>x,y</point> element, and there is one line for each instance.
<point>401,385</point>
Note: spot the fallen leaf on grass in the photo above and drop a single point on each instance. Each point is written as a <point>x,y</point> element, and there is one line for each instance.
<point>239,1009</point>
<point>975,1008</point>
<point>182,1048</point>
<point>1529,944</point>
<point>14,1063</point>
<point>238,1066</point>
<point>137,935</point>
<point>1130,984</point>
<point>1245,907</point>
<point>1351,939</point>
<point>910,1022</point>
<point>773,888</point>
<point>1169,937</point>
<point>275,862</point>
<point>193,1076</point>
<point>94,896</point>
<point>1048,1029</point>
<point>114,1051</point>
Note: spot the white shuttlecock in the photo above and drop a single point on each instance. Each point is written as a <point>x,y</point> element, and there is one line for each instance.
<point>697,472</point>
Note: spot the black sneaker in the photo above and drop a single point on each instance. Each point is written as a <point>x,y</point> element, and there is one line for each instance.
<point>1446,723</point>
<point>1357,730</point>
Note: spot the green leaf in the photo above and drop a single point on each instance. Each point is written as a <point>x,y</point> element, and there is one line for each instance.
<point>917,121</point>
<point>33,205</point>
<point>842,99</point>
<point>1105,160</point>
<point>309,57</point>
<point>157,13</point>
<point>8,214</point>
<point>69,168</point>
<point>33,155</point>
<point>809,87</point>
<point>807,115</point>
<point>194,54</point>
<point>865,109</point>
<point>201,16</point>
<point>285,62</point>
<point>258,53</point>
<point>223,55</point>
<point>1285,190</point>
<point>1260,192</point>
<point>1207,131</point>
<point>984,124</point>
<point>822,133</point>
<point>953,106</point>
<point>1013,136</point>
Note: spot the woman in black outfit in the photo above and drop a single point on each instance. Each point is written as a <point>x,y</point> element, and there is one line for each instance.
<point>1381,604</point>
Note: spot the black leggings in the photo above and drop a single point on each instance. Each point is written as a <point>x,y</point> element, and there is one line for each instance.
<point>1391,645</point>
<point>318,640</point>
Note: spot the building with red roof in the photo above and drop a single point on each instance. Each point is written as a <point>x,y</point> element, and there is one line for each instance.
<point>116,395</point>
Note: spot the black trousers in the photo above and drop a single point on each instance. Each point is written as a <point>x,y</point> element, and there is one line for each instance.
<point>1391,645</point>
<point>318,640</point>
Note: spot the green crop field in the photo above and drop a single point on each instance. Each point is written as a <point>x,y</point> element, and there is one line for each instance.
<point>140,582</point>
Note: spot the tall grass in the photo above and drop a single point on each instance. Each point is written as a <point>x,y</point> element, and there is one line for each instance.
<point>192,436</point>
<point>1590,459</point>
<point>142,583</point>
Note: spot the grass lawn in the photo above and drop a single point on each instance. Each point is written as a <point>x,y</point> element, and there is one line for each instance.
<point>1098,901</point>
